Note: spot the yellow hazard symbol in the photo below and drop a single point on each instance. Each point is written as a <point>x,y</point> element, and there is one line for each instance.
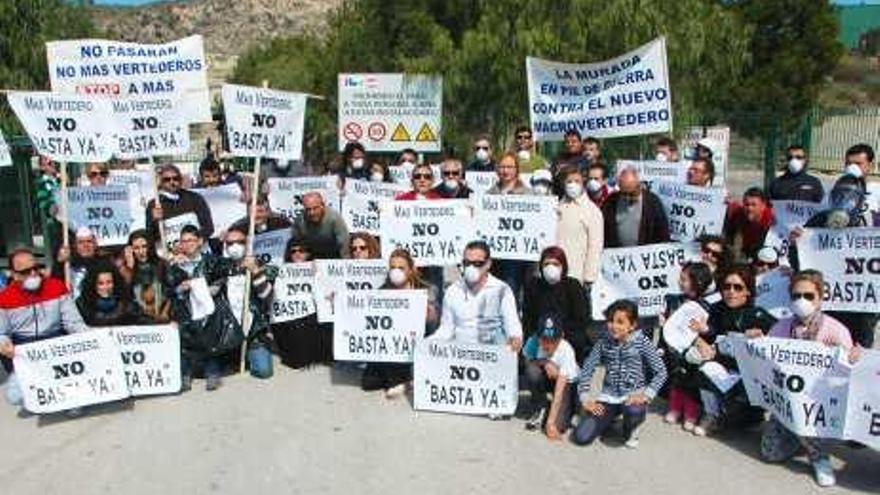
<point>426,134</point>
<point>400,133</point>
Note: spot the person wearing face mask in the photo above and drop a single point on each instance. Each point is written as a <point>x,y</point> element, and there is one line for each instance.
<point>33,307</point>
<point>453,185</point>
<point>666,150</point>
<point>483,160</point>
<point>795,184</point>
<point>355,163</point>
<point>379,172</point>
<point>402,274</point>
<point>597,184</point>
<point>143,271</point>
<point>746,224</point>
<point>554,291</point>
<point>105,300</point>
<point>527,157</point>
<point>778,443</point>
<point>859,162</point>
<point>175,201</point>
<point>580,231</point>
<point>633,215</point>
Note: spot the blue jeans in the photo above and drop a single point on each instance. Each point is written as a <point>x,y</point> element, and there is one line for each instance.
<point>592,427</point>
<point>259,361</point>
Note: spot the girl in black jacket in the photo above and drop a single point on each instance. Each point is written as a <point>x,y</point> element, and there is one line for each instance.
<point>105,300</point>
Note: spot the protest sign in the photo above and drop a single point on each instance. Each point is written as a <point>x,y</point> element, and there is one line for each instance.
<point>120,69</point>
<point>677,331</point>
<point>863,409</point>
<point>269,246</point>
<point>872,200</point>
<point>171,228</point>
<point>335,276</point>
<point>65,128</point>
<point>480,182</point>
<point>625,96</point>
<point>802,383</point>
<point>772,294</point>
<point>642,274</point>
<point>718,138</point>
<point>379,326</point>
<point>146,126</point>
<point>516,227</point>
<point>226,205</point>
<point>434,232</point>
<point>788,215</point>
<point>692,211</point>
<point>105,210</point>
<point>5,157</point>
<point>285,193</point>
<point>655,171</point>
<point>391,112</point>
<point>293,292</point>
<point>464,378</point>
<point>360,204</point>
<point>263,122</point>
<point>849,259</point>
<point>70,371</point>
<point>150,358</point>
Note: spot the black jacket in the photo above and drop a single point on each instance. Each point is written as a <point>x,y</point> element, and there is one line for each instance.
<point>653,229</point>
<point>682,374</point>
<point>125,313</point>
<point>463,192</point>
<point>797,187</point>
<point>565,300</point>
<point>188,202</point>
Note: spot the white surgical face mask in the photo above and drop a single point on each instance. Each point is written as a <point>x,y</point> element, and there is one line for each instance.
<point>32,283</point>
<point>541,190</point>
<point>524,155</point>
<point>482,155</point>
<point>377,177</point>
<point>552,274</point>
<point>282,164</point>
<point>397,276</point>
<point>357,163</point>
<point>853,169</point>
<point>235,251</point>
<point>795,165</point>
<point>451,183</point>
<point>573,189</point>
<point>661,157</point>
<point>407,163</point>
<point>171,196</point>
<point>802,308</point>
<point>472,275</point>
<point>594,185</point>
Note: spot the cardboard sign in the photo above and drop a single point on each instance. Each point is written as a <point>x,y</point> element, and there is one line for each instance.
<point>293,292</point>
<point>145,126</point>
<point>150,358</point>
<point>263,122</point>
<point>269,246</point>
<point>516,227</point>
<point>848,259</point>
<point>788,216</point>
<point>656,171</point>
<point>225,203</point>
<point>333,277</point>
<point>692,211</point>
<point>379,325</point>
<point>863,409</point>
<point>433,231</point>
<point>772,294</point>
<point>286,193</point>
<point>360,205</point>
<point>105,210</point>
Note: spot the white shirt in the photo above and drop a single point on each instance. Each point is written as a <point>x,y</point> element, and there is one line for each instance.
<point>563,358</point>
<point>486,317</point>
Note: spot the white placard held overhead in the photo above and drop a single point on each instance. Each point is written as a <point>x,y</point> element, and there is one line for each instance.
<point>263,122</point>
<point>147,126</point>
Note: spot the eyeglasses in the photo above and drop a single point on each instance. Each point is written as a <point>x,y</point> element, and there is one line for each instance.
<point>99,173</point>
<point>297,250</point>
<point>232,243</point>
<point>358,247</point>
<point>175,178</point>
<point>523,137</point>
<point>478,264</point>
<point>734,287</point>
<point>451,173</point>
<point>478,148</point>
<point>422,177</point>
<point>30,270</point>
<point>799,157</point>
<point>713,253</point>
<point>809,296</point>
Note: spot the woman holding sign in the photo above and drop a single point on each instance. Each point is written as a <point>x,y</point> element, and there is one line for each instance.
<point>402,274</point>
<point>778,444</point>
<point>298,340</point>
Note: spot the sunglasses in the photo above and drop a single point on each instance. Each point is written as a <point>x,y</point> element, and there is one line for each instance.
<point>799,157</point>
<point>102,173</point>
<point>478,264</point>
<point>30,270</point>
<point>714,253</point>
<point>358,247</point>
<point>175,178</point>
<point>422,177</point>
<point>297,250</point>
<point>232,243</point>
<point>451,173</point>
<point>477,148</point>
<point>809,296</point>
<point>734,287</point>
<point>523,137</point>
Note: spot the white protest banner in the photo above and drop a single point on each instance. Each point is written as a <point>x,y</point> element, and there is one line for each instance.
<point>516,227</point>
<point>863,409</point>
<point>285,193</point>
<point>692,211</point>
<point>391,112</point>
<point>434,232</point>
<point>872,200</point>
<point>226,205</point>
<point>65,128</point>
<point>480,182</point>
<point>788,215</point>
<point>172,227</point>
<point>333,277</point>
<point>263,122</point>
<point>269,246</point>
<point>70,371</point>
<point>293,292</point>
<point>105,210</point>
<point>643,274</point>
<point>802,383</point>
<point>849,259</point>
<point>360,204</point>
<point>150,358</point>
<point>146,126</point>
<point>625,96</point>
<point>772,294</point>
<point>5,157</point>
<point>379,326</point>
<point>116,68</point>
<point>651,171</point>
<point>677,331</point>
<point>718,139</point>
<point>464,378</point>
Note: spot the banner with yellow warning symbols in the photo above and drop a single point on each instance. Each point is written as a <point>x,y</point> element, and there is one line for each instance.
<point>391,112</point>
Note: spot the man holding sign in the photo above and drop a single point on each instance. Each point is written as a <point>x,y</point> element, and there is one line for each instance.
<point>174,202</point>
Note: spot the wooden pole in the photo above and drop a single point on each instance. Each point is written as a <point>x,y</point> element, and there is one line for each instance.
<point>65,235</point>
<point>156,202</point>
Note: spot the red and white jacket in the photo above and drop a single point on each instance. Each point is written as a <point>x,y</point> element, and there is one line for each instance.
<point>30,316</point>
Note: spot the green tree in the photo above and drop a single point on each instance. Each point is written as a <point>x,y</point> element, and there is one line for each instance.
<point>25,27</point>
